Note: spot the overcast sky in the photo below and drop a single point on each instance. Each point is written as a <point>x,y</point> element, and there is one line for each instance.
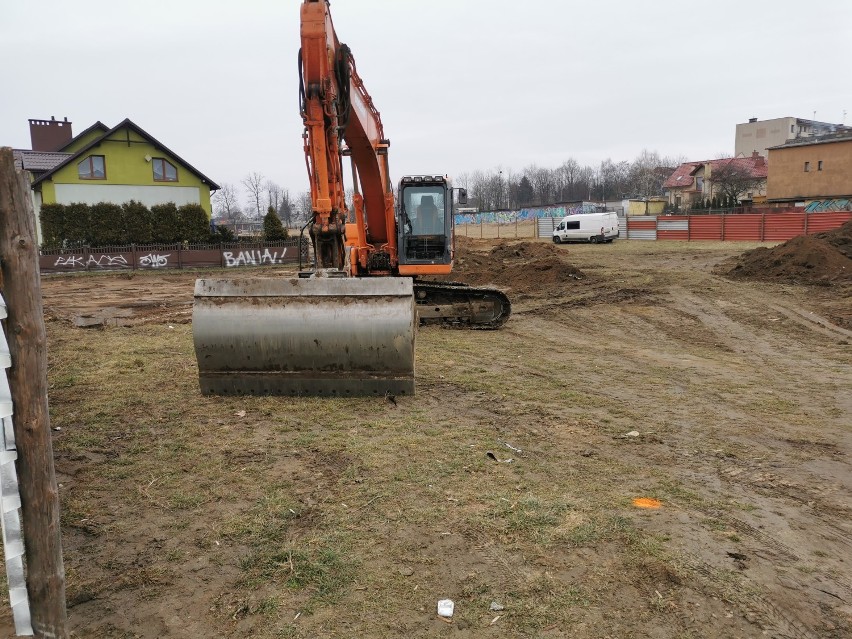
<point>461,84</point>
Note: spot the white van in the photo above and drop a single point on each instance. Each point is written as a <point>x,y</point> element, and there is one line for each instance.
<point>587,227</point>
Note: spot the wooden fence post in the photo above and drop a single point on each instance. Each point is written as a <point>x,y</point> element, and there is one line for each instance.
<point>19,278</point>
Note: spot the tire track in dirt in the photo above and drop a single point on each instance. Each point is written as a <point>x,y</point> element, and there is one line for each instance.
<point>813,321</point>
<point>786,626</point>
<point>495,556</point>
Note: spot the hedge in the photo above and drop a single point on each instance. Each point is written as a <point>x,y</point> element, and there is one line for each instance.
<point>106,224</point>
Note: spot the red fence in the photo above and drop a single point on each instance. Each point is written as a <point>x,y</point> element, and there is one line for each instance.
<point>753,227</point>
<point>161,256</point>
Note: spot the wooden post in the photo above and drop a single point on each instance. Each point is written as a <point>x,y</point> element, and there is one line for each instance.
<point>19,278</point>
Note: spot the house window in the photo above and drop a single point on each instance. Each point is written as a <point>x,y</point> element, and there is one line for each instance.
<point>164,171</point>
<point>699,184</point>
<point>819,165</point>
<point>807,166</point>
<point>791,128</point>
<point>92,168</point>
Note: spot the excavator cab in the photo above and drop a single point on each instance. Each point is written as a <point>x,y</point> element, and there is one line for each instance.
<point>425,221</point>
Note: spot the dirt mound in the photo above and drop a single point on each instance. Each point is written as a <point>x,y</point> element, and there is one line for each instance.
<point>524,251</point>
<point>522,267</point>
<point>810,259</point>
<point>841,238</point>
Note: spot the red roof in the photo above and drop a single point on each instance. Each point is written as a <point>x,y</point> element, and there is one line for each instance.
<point>755,166</point>
<point>682,176</point>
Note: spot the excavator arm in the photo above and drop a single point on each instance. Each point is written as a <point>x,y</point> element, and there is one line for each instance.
<point>341,120</point>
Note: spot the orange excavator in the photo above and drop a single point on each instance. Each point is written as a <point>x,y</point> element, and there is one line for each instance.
<point>346,326</point>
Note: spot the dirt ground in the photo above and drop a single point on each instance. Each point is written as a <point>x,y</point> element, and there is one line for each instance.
<point>631,371</point>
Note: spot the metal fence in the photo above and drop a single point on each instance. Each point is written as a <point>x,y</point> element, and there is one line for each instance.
<point>171,256</point>
<point>508,226</point>
<point>765,226</point>
<point>753,227</point>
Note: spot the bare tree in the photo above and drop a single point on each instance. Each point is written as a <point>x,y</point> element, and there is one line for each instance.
<point>543,183</point>
<point>569,174</point>
<point>226,202</point>
<point>475,190</point>
<point>731,180</point>
<point>674,161</point>
<point>462,180</point>
<point>286,209</point>
<point>304,207</point>
<point>645,180</point>
<point>647,175</point>
<point>254,184</point>
<point>273,194</point>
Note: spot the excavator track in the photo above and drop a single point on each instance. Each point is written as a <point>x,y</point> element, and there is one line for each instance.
<point>458,305</point>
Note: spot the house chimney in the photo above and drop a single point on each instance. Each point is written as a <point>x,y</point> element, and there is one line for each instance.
<point>752,120</point>
<point>755,154</point>
<point>50,135</point>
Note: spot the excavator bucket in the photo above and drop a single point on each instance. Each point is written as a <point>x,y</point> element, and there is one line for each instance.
<point>318,336</point>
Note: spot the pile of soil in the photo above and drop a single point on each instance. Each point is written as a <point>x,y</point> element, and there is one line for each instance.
<point>525,267</point>
<point>841,238</point>
<point>524,251</point>
<point>809,259</point>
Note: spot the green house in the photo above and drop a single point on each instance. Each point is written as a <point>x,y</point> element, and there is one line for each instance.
<point>109,165</point>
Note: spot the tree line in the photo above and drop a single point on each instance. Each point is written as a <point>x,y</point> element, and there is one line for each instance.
<point>488,190</point>
<point>571,181</point>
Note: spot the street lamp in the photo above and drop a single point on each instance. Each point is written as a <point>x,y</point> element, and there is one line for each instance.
<point>500,203</point>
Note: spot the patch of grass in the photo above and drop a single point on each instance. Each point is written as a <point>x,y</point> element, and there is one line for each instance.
<point>184,500</point>
<point>543,601</point>
<point>599,529</point>
<point>532,517</point>
<point>268,522</point>
<point>268,607</point>
<point>323,573</point>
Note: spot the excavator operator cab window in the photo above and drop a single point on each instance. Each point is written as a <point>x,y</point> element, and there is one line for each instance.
<point>425,208</point>
<point>424,223</point>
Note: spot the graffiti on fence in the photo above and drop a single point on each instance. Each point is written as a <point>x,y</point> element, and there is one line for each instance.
<point>154,260</point>
<point>530,213</point>
<point>99,261</point>
<point>154,257</point>
<point>825,206</point>
<point>254,258</point>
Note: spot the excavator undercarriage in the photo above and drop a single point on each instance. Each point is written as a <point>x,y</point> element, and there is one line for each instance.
<point>457,305</point>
